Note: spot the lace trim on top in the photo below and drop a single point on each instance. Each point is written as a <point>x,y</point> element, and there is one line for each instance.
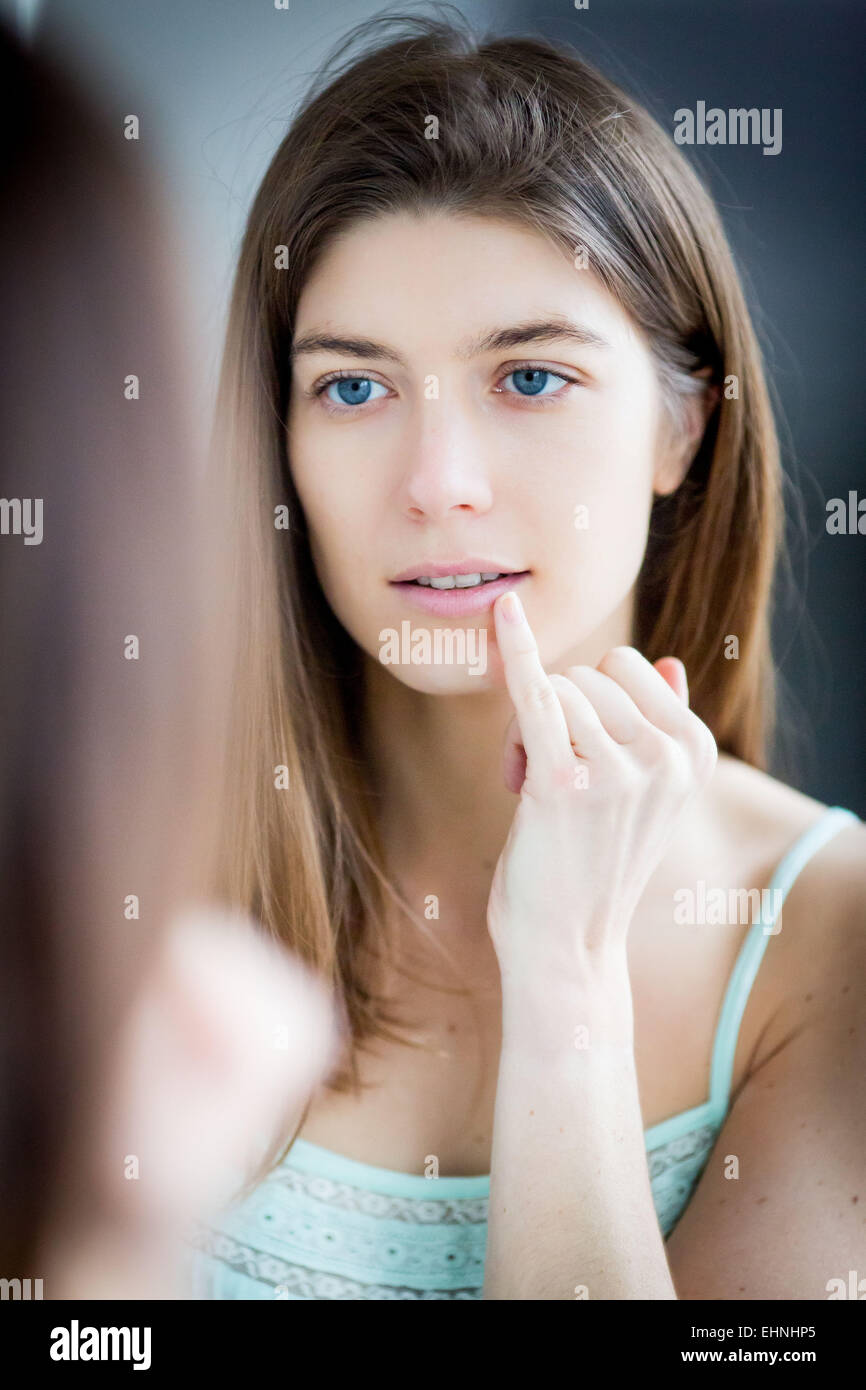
<point>304,1236</point>
<point>454,1211</point>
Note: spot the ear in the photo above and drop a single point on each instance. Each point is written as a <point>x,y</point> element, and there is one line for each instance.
<point>678,448</point>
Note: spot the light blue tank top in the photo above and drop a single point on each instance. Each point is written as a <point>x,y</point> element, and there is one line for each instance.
<point>322,1226</point>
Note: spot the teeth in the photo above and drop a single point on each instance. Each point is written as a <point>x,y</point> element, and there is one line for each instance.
<point>458,581</point>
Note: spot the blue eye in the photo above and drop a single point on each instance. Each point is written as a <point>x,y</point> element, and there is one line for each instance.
<point>353,390</point>
<point>532,381</point>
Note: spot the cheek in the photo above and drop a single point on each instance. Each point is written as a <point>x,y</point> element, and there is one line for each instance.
<point>597,495</point>
<point>333,498</point>
<point>596,476</point>
<point>335,502</point>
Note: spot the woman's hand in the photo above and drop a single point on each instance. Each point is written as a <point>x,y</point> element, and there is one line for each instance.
<point>227,1034</point>
<point>605,760</point>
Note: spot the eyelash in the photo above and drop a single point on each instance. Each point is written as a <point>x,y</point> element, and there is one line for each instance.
<point>346,375</point>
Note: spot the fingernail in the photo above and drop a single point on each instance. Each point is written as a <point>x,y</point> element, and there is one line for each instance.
<point>511,607</point>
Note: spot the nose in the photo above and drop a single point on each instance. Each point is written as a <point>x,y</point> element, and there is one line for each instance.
<point>446,468</point>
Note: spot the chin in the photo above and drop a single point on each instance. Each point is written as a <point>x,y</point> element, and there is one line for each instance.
<point>449,679</point>
<point>455,658</point>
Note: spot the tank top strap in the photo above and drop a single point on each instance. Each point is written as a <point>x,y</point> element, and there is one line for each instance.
<point>752,951</point>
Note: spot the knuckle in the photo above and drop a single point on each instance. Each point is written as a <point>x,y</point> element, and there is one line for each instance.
<point>540,694</point>
<point>709,753</point>
<point>656,747</point>
<point>616,656</point>
<point>682,765</point>
<point>563,777</point>
<point>695,756</point>
<point>701,743</point>
<point>627,769</point>
<point>667,759</point>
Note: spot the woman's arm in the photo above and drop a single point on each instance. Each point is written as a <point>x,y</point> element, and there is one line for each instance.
<point>571,1212</point>
<point>605,760</point>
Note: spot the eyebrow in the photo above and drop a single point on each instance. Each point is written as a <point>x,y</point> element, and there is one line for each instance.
<point>496,339</point>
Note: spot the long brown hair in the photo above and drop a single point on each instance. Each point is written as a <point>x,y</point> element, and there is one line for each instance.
<point>529,132</point>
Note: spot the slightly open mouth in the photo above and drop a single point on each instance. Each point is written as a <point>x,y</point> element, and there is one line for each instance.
<point>464,581</point>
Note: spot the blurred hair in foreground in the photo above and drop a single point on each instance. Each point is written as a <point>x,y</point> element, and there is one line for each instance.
<point>121,1036</point>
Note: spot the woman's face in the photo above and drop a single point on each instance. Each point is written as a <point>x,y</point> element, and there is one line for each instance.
<point>469,426</point>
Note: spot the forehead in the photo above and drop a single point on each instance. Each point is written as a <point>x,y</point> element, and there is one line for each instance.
<point>443,277</point>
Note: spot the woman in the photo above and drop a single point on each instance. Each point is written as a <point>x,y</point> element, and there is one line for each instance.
<point>485,323</point>
<point>137,1063</point>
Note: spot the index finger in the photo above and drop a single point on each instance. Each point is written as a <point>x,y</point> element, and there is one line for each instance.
<point>539,713</point>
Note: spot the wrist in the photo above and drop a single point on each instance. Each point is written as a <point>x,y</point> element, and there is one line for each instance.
<point>582,970</point>
<point>564,1011</point>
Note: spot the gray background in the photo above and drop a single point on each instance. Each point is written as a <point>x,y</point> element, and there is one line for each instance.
<point>215,82</point>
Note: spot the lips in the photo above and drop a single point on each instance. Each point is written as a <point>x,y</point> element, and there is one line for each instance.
<point>457,602</point>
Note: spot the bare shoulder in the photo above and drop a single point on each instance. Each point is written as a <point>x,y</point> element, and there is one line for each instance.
<point>760,817</point>
<point>817,961</point>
